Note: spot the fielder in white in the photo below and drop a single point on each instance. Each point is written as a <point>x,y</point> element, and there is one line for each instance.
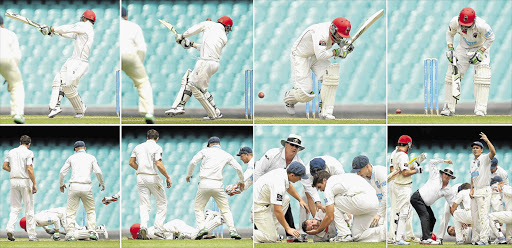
<point>146,159</point>
<point>133,52</point>
<point>10,56</point>
<point>271,201</point>
<point>82,165</point>
<point>66,81</point>
<point>195,82</point>
<point>496,203</point>
<point>476,37</point>
<point>19,164</point>
<point>247,157</point>
<point>310,53</point>
<point>349,193</point>
<point>214,159</point>
<point>505,216</point>
<point>462,215</point>
<point>481,189</point>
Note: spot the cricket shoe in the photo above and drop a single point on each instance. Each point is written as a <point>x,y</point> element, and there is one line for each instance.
<point>290,108</point>
<point>10,236</point>
<point>479,113</point>
<point>327,117</point>
<point>103,229</point>
<point>56,236</point>
<point>341,239</point>
<point>208,118</point>
<point>180,110</point>
<point>54,112</point>
<point>402,242</point>
<point>93,235</point>
<point>412,238</point>
<point>33,239</point>
<point>303,238</point>
<point>81,115</point>
<point>429,242</point>
<point>160,235</point>
<point>143,232</point>
<point>234,235</point>
<point>460,242</point>
<point>500,241</point>
<point>201,233</point>
<point>280,238</point>
<point>447,112</point>
<point>150,119</point>
<point>19,119</point>
<point>70,238</point>
<point>480,242</point>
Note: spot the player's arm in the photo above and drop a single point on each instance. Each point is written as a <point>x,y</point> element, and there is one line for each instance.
<point>160,165</point>
<point>196,29</point>
<point>248,177</point>
<point>492,151</point>
<point>326,221</point>
<point>278,211</point>
<point>471,191</point>
<point>293,192</point>
<point>488,35</point>
<point>198,157</point>
<point>32,177</point>
<point>239,172</point>
<point>453,207</point>
<point>99,175</point>
<point>321,52</point>
<point>312,195</point>
<point>133,163</point>
<point>140,44</point>
<point>63,171</point>
<point>71,28</point>
<point>451,31</point>
<point>381,211</point>
<point>262,165</point>
<point>6,166</point>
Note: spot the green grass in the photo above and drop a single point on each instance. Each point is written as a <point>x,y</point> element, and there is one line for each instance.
<point>62,119</point>
<point>23,242</point>
<point>164,120</point>
<point>458,119</point>
<point>291,120</point>
<point>205,243</point>
<point>445,244</point>
<point>323,244</point>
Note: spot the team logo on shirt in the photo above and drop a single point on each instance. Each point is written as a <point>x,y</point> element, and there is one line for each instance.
<point>475,35</point>
<point>279,197</point>
<point>325,200</point>
<point>322,43</point>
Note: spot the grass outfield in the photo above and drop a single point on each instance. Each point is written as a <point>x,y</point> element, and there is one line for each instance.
<point>323,244</point>
<point>164,120</point>
<point>295,120</point>
<point>62,119</point>
<point>458,119</point>
<point>445,244</point>
<point>205,243</point>
<point>23,242</point>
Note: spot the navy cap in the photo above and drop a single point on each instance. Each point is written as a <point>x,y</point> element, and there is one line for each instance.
<point>1,20</point>
<point>359,163</point>
<point>496,179</point>
<point>244,150</point>
<point>298,169</point>
<point>124,12</point>
<point>79,144</point>
<point>478,143</point>
<point>494,163</point>
<point>316,165</point>
<point>213,139</point>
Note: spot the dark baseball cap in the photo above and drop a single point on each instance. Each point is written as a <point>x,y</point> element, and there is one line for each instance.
<point>494,163</point>
<point>316,165</point>
<point>213,139</point>
<point>298,169</point>
<point>477,143</point>
<point>79,144</point>
<point>359,163</point>
<point>244,150</point>
<point>496,179</point>
<point>124,12</point>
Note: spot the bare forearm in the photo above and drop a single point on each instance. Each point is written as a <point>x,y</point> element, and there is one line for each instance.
<point>293,192</point>
<point>278,211</point>
<point>6,167</point>
<point>311,205</point>
<point>161,168</point>
<point>31,175</point>
<point>134,165</point>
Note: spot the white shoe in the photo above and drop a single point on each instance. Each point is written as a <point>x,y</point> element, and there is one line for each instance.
<point>93,235</point>
<point>208,118</point>
<point>19,119</point>
<point>346,238</point>
<point>104,229</point>
<point>81,115</point>
<point>402,242</point>
<point>54,112</point>
<point>290,108</point>
<point>447,112</point>
<point>429,242</point>
<point>327,117</point>
<point>180,110</point>
<point>479,113</point>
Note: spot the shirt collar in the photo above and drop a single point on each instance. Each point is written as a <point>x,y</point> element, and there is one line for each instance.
<point>215,146</point>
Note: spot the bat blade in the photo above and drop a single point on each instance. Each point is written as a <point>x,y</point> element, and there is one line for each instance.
<point>22,19</point>
<point>455,80</point>
<point>169,26</point>
<point>392,175</point>
<point>366,25</point>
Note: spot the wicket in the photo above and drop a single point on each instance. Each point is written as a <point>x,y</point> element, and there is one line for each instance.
<point>431,85</point>
<point>249,97</point>
<point>117,92</point>
<point>218,231</point>
<point>315,103</point>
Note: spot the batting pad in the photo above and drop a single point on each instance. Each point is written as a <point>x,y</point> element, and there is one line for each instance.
<point>482,81</point>
<point>198,94</point>
<point>185,92</point>
<point>330,84</point>
<point>74,98</point>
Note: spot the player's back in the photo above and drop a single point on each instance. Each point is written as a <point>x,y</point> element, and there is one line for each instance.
<point>303,46</point>
<point>18,159</point>
<point>146,154</point>
<point>81,167</point>
<point>130,37</point>
<point>8,44</point>
<point>214,40</point>
<point>349,184</point>
<point>214,161</point>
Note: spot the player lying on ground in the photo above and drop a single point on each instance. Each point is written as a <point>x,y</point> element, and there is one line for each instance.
<point>178,229</point>
<point>328,234</point>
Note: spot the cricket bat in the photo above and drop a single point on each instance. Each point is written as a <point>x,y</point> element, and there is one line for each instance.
<point>392,175</point>
<point>22,19</point>
<point>169,26</point>
<point>455,80</point>
<point>366,25</point>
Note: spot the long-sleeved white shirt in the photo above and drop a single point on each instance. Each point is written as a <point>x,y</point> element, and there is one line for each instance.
<point>463,200</point>
<point>214,159</point>
<point>379,182</point>
<point>83,35</point>
<point>399,160</point>
<point>132,39</point>
<point>271,188</point>
<point>480,35</point>
<point>9,46</point>
<point>82,166</point>
<point>146,155</point>
<point>52,216</point>
<point>314,41</point>
<point>433,189</point>
<point>348,184</point>
<point>506,197</point>
<point>502,173</point>
<point>248,178</point>
<point>214,38</point>
<point>19,158</point>
<point>481,171</point>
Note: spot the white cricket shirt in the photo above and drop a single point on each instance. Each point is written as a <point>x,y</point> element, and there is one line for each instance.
<point>314,41</point>
<point>379,182</point>
<point>146,155</point>
<point>433,189</point>
<point>214,159</point>
<point>214,38</point>
<point>271,160</point>
<point>480,35</point>
<point>248,178</point>
<point>502,173</point>
<point>82,165</point>
<point>83,35</point>
<point>463,200</point>
<point>132,39</point>
<point>481,171</point>
<point>348,184</point>
<point>18,159</point>
<point>271,187</point>
<point>506,197</point>
<point>400,159</point>
<point>9,46</point>
<point>332,165</point>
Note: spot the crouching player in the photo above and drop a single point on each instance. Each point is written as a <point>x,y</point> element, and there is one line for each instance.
<point>505,217</point>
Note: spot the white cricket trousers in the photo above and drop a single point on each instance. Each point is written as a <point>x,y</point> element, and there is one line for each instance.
<point>363,208</point>
<point>504,217</point>
<point>204,193</point>
<point>45,219</point>
<point>394,215</point>
<point>480,206</point>
<point>403,208</point>
<point>133,67</point>
<point>21,190</point>
<point>10,71</point>
<point>264,219</point>
<point>80,192</point>
<point>461,216</point>
<point>203,71</point>
<point>152,185</point>
<point>301,71</point>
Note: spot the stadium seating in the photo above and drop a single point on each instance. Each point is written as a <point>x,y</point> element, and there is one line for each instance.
<point>178,150</point>
<point>279,23</point>
<point>417,30</point>
<point>42,57</point>
<point>49,157</point>
<point>166,61</point>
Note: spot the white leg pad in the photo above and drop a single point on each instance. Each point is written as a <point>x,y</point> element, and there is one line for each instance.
<point>213,223</point>
<point>185,92</point>
<point>449,101</point>
<point>482,81</point>
<point>74,98</point>
<point>330,84</point>
<point>298,95</point>
<point>201,97</point>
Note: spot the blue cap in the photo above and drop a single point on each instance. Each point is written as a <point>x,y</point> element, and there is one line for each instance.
<point>124,12</point>
<point>477,143</point>
<point>244,150</point>
<point>298,169</point>
<point>79,144</point>
<point>316,165</point>
<point>496,179</point>
<point>359,163</point>
<point>213,139</point>
<point>494,163</point>
<point>1,20</point>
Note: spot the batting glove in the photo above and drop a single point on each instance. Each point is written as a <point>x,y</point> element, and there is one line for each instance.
<point>422,157</point>
<point>477,57</point>
<point>419,168</point>
<point>186,44</point>
<point>45,30</point>
<point>179,38</point>
<point>449,54</point>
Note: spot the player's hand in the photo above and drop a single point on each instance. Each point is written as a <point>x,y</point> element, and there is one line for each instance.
<point>188,179</point>
<point>448,161</point>
<point>168,181</point>
<point>346,50</point>
<point>471,192</point>
<point>464,226</point>
<point>186,44</point>
<point>477,57</point>
<point>484,137</point>
<point>375,221</point>
<point>419,168</point>
<point>241,186</point>
<point>319,207</point>
<point>303,204</point>
<point>313,232</point>
<point>62,188</point>
<point>45,30</point>
<point>449,54</point>
<point>179,38</point>
<point>34,189</point>
<point>496,187</point>
<point>102,186</point>
<point>293,232</point>
<point>349,217</point>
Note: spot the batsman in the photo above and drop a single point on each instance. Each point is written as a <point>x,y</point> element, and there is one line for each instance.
<point>476,37</point>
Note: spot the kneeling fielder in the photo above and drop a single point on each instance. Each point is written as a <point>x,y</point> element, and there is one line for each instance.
<point>504,217</point>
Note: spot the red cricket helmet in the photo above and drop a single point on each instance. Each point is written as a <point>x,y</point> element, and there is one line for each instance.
<point>405,140</point>
<point>23,223</point>
<point>89,15</point>
<point>467,16</point>
<point>134,230</point>
<point>227,22</point>
<point>340,28</point>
